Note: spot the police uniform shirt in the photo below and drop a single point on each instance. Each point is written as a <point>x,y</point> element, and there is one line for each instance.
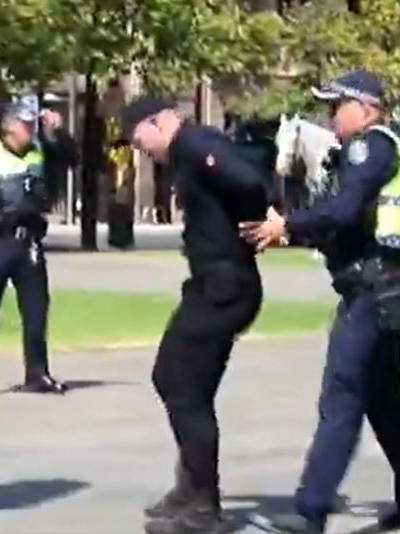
<point>217,189</point>
<point>367,163</point>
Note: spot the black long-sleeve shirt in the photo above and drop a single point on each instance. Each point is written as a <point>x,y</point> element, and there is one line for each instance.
<point>217,190</point>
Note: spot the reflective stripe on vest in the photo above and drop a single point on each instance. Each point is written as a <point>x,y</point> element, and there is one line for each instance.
<point>387,231</point>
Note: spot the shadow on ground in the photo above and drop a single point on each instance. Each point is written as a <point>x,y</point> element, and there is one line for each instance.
<point>74,385</point>
<point>258,510</point>
<point>87,384</point>
<point>30,493</point>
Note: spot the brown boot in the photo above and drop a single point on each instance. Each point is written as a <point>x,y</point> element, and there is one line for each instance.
<point>176,499</point>
<point>202,515</point>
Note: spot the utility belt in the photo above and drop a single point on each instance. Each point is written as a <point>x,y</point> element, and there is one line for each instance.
<point>21,233</point>
<point>379,278</point>
<point>33,228</point>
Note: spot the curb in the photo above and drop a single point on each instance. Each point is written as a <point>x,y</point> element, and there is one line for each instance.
<point>132,345</point>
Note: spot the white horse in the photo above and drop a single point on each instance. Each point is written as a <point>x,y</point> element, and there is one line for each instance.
<point>298,140</point>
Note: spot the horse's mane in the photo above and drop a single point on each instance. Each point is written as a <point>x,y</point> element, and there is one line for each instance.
<point>321,135</point>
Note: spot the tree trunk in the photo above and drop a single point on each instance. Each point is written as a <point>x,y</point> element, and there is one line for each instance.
<point>90,166</point>
<point>198,104</point>
<point>261,5</point>
<point>354,6</point>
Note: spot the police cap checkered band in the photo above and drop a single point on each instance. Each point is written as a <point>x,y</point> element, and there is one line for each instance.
<point>139,110</point>
<point>17,112</point>
<point>358,85</point>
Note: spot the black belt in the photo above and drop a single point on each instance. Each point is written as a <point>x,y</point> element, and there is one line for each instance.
<point>363,275</point>
<point>350,280</point>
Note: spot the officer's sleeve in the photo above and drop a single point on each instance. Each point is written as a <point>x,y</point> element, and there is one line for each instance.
<point>58,145</point>
<point>223,170</point>
<point>367,165</point>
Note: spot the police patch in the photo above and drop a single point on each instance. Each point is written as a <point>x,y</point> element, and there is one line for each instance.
<point>358,152</point>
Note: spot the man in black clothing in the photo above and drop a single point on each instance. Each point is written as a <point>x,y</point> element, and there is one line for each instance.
<point>219,300</point>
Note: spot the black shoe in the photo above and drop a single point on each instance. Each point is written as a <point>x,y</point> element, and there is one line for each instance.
<point>200,516</point>
<point>176,499</point>
<point>390,521</point>
<point>296,524</point>
<point>41,384</point>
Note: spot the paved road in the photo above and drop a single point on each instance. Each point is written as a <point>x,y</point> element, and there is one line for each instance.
<point>147,236</point>
<point>132,271</point>
<point>87,463</point>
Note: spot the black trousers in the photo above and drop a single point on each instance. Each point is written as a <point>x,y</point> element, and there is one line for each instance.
<point>23,261</point>
<point>192,358</point>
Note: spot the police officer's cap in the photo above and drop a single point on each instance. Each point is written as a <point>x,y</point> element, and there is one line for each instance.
<point>17,112</point>
<point>358,84</point>
<point>140,109</point>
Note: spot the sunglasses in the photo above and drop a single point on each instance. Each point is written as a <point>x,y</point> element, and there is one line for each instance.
<point>336,104</point>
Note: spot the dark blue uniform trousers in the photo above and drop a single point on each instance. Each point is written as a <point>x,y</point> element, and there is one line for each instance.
<point>28,272</point>
<point>359,379</point>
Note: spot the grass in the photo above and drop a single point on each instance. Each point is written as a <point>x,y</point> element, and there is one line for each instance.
<point>288,258</point>
<point>82,319</point>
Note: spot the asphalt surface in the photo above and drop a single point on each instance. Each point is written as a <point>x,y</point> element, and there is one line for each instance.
<point>158,272</point>
<point>89,462</point>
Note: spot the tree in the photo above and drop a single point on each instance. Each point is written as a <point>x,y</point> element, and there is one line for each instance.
<point>329,40</point>
<point>380,40</point>
<point>316,41</point>
<point>324,39</point>
<point>30,51</point>
<point>183,41</point>
<point>173,44</point>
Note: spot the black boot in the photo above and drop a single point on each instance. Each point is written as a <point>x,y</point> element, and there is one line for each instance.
<point>201,516</point>
<point>40,384</point>
<point>176,499</point>
<point>340,504</point>
<point>391,520</point>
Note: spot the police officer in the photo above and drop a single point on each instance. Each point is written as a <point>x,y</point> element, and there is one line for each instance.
<point>219,300</point>
<point>22,228</point>
<point>357,227</point>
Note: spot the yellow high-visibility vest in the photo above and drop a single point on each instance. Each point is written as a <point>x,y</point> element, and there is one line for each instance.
<point>387,230</point>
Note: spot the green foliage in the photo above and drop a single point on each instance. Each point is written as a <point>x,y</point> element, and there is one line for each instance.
<point>324,38</point>
<point>175,42</point>
<point>184,40</point>
<point>380,40</point>
<point>273,99</point>
<point>172,42</point>
<point>177,37</point>
<point>29,50</point>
